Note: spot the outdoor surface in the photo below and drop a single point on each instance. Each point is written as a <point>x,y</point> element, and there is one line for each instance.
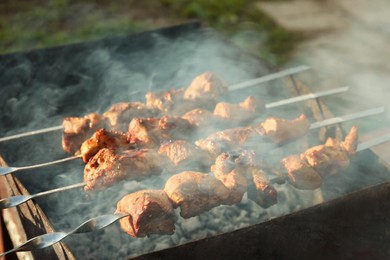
<point>345,41</point>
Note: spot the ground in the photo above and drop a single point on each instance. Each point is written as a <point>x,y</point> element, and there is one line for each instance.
<point>27,24</point>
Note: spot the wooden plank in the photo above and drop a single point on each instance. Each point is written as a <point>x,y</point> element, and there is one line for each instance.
<point>27,221</point>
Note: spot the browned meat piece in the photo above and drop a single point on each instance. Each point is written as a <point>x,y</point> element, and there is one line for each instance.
<point>183,154</point>
<point>238,113</point>
<point>105,139</point>
<point>151,132</point>
<point>306,171</point>
<point>199,117</point>
<point>231,171</point>
<point>206,87</point>
<point>300,174</point>
<point>150,212</point>
<point>326,160</point>
<point>77,129</point>
<point>195,192</point>
<point>226,140</point>
<point>120,114</point>
<point>351,141</point>
<point>107,167</point>
<point>334,156</point>
<point>260,189</point>
<point>164,101</point>
<point>280,130</point>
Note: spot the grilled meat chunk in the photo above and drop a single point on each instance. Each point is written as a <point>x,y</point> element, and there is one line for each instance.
<point>280,130</point>
<point>151,132</point>
<point>260,190</point>
<point>231,170</point>
<point>333,156</point>
<point>239,113</point>
<point>107,167</point>
<point>226,140</point>
<point>150,212</point>
<point>206,87</point>
<point>105,139</point>
<point>300,174</point>
<point>200,117</point>
<point>171,101</point>
<point>195,192</point>
<point>77,129</point>
<point>120,114</point>
<point>184,154</point>
<point>306,171</point>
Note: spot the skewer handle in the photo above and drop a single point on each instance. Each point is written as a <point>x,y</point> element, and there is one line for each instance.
<point>50,239</point>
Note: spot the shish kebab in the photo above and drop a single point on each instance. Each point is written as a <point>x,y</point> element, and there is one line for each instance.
<point>136,226</point>
<point>248,83</point>
<point>17,200</point>
<point>89,123</point>
<point>330,121</point>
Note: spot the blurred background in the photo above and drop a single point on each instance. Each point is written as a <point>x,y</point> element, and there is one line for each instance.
<point>27,24</point>
<point>346,42</point>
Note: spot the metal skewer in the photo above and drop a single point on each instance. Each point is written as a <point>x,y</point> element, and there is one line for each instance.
<point>263,79</point>
<point>267,106</point>
<point>8,170</point>
<point>97,223</point>
<point>17,200</point>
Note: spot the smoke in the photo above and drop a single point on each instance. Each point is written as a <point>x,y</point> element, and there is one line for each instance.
<point>76,80</point>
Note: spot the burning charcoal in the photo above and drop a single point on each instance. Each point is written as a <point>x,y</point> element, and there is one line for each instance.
<point>231,171</point>
<point>195,192</point>
<point>77,129</point>
<point>280,130</point>
<point>107,167</point>
<point>104,139</point>
<point>150,212</point>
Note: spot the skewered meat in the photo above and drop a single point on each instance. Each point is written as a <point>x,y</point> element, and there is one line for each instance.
<point>150,212</point>
<point>206,87</point>
<point>77,129</point>
<point>300,174</point>
<point>306,171</point>
<point>260,190</point>
<point>280,130</point>
<point>237,113</point>
<point>168,101</point>
<point>151,132</point>
<point>104,139</point>
<point>231,170</point>
<point>332,157</point>
<point>195,192</point>
<point>200,117</point>
<point>183,154</point>
<point>226,140</point>
<point>120,114</point>
<point>203,92</point>
<point>108,167</point>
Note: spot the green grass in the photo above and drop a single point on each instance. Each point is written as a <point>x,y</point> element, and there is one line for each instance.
<point>28,24</point>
